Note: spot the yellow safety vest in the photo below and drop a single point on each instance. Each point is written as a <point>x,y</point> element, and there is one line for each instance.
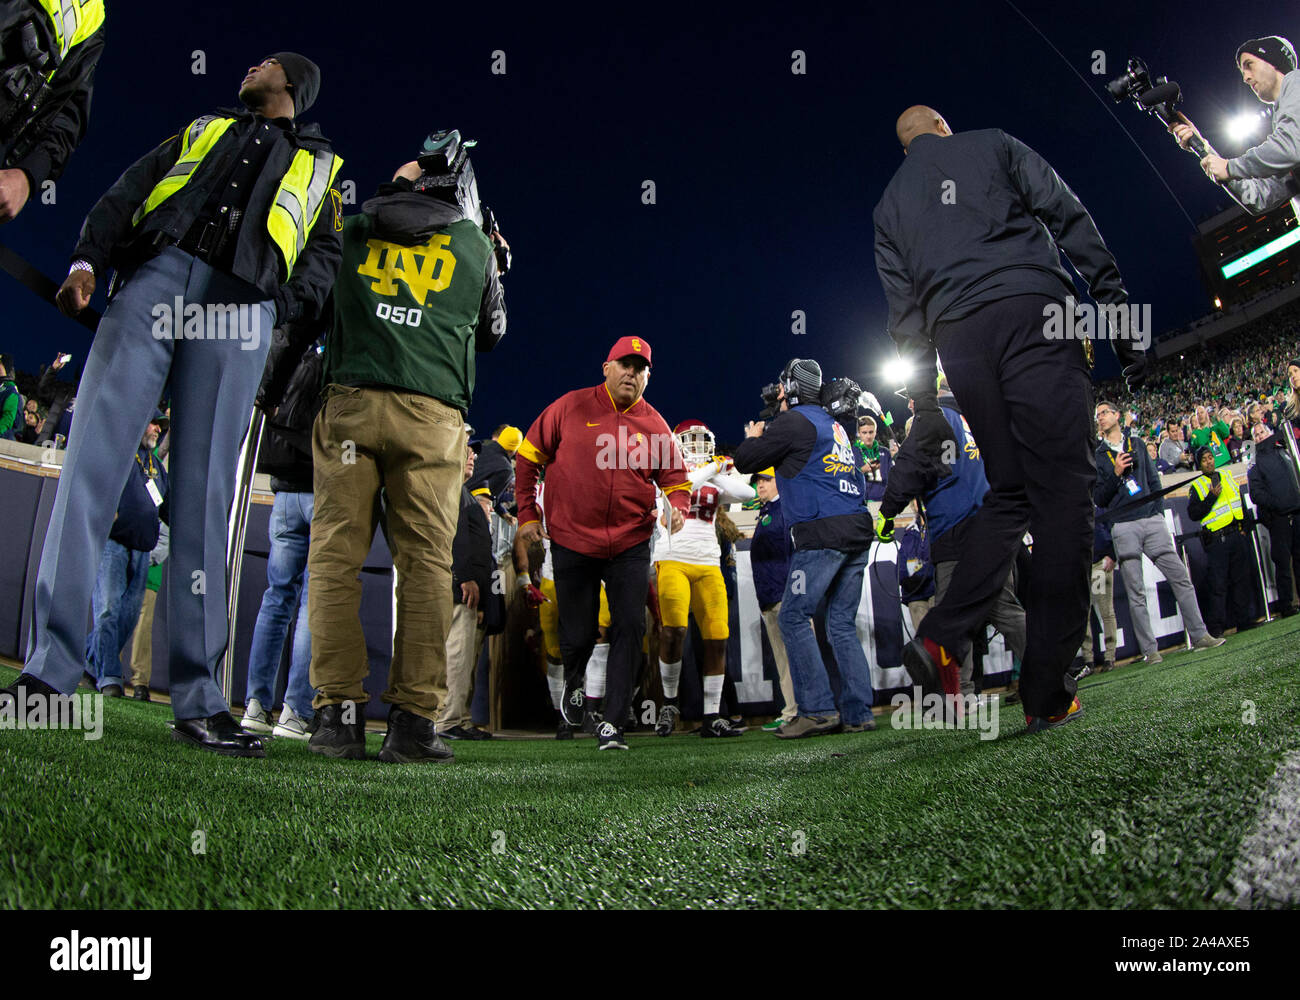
<point>298,201</point>
<point>74,21</point>
<point>1226,509</point>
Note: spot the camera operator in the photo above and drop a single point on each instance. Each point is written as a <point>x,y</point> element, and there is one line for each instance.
<point>48,54</point>
<point>822,495</point>
<point>397,390</point>
<point>1262,177</point>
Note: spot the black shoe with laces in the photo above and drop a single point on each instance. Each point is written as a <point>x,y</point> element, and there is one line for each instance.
<point>140,693</point>
<point>610,737</point>
<point>335,738</point>
<point>592,718</point>
<point>668,716</point>
<point>718,726</point>
<point>563,731</point>
<point>572,705</point>
<point>412,739</point>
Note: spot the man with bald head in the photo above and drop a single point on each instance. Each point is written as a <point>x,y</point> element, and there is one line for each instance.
<point>968,240</point>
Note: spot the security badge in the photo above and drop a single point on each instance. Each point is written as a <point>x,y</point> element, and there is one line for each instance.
<point>154,494</point>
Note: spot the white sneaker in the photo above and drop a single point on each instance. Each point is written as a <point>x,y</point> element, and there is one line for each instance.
<point>256,719</point>
<point>291,726</point>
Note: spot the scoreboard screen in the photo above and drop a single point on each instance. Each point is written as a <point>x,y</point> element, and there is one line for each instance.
<point>1242,254</point>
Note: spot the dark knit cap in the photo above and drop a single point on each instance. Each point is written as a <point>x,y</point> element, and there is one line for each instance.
<point>807,376</point>
<point>303,76</point>
<point>1274,50</point>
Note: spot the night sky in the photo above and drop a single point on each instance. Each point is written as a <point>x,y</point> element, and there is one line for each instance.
<point>765,180</point>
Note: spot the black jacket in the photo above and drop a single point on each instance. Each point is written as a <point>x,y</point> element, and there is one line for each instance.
<point>494,471</point>
<point>1110,492</point>
<point>285,454</point>
<point>471,550</point>
<point>136,523</point>
<point>42,147</point>
<point>55,396</point>
<point>973,218</point>
<point>108,237</point>
<point>1272,479</point>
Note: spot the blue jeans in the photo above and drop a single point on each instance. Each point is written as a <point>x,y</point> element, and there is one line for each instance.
<point>118,595</point>
<point>286,579</point>
<point>815,574</point>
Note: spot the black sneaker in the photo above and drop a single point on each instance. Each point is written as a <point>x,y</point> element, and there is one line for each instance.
<point>563,731</point>
<point>591,720</point>
<point>572,705</point>
<point>668,716</point>
<point>335,738</point>
<point>610,737</point>
<point>412,739</point>
<point>140,693</point>
<point>112,691</point>
<point>720,727</point>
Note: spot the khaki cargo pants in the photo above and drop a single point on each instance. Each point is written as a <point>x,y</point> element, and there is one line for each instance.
<point>413,447</point>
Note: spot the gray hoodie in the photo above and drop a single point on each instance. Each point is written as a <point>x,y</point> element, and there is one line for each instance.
<point>1261,176</point>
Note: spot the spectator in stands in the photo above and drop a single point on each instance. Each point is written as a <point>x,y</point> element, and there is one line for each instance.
<point>1173,452</point>
<point>471,582</point>
<point>142,642</point>
<point>286,456</point>
<point>1274,490</point>
<point>1103,600</point>
<point>58,398</point>
<point>495,473</point>
<point>1124,476</point>
<point>874,459</point>
<point>124,566</point>
<point>1214,499</point>
<point>769,560</point>
<point>1292,411</point>
<point>1211,434</point>
<point>33,421</point>
<point>1236,438</point>
<point>11,401</point>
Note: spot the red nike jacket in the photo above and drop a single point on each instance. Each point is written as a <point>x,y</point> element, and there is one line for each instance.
<point>602,465</point>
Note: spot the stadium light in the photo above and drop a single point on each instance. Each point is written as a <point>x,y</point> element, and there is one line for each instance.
<point>1245,125</point>
<point>897,372</point>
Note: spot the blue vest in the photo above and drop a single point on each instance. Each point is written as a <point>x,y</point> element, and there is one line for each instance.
<point>830,483</point>
<point>958,495</point>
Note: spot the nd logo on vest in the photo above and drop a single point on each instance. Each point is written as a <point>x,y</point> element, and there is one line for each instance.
<point>841,460</point>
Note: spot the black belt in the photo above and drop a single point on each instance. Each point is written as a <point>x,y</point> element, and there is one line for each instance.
<point>1221,534</point>
<point>204,239</point>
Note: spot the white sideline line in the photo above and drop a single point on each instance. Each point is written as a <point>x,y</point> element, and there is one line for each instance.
<point>1267,871</point>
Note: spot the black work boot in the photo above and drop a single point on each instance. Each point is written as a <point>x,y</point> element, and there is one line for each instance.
<point>411,739</point>
<point>335,738</point>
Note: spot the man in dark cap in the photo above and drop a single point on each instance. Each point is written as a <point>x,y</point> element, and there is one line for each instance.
<point>1264,176</point>
<point>226,230</point>
<point>603,449</point>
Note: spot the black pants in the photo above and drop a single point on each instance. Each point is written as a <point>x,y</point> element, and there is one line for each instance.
<point>577,593</point>
<point>1028,401</point>
<point>1228,577</point>
<point>1284,547</point>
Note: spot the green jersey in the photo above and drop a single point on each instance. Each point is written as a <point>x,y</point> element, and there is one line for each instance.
<point>405,317</point>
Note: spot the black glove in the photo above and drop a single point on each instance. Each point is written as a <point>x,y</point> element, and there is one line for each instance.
<point>1133,360</point>
<point>934,437</point>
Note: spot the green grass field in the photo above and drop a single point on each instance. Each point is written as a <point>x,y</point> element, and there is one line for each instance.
<point>1162,767</point>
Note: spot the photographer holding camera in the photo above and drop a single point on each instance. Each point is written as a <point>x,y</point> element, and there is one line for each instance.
<point>821,492</point>
<point>1264,176</point>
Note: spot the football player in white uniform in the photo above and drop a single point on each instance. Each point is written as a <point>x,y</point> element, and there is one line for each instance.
<point>689,570</point>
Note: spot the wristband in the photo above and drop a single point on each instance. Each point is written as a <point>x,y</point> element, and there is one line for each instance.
<point>82,265</point>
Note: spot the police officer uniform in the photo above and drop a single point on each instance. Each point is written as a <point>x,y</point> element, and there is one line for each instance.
<point>234,211</point>
<point>1223,529</point>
